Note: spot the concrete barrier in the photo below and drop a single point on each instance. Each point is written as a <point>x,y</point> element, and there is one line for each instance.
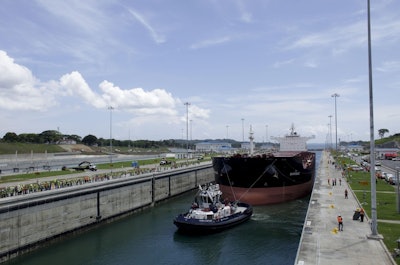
<point>33,220</point>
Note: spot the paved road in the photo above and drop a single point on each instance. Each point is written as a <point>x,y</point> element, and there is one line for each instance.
<point>54,161</point>
<point>321,242</point>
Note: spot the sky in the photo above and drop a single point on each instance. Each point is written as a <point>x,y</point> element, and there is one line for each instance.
<point>199,69</point>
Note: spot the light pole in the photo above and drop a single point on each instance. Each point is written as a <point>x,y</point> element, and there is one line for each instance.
<point>242,130</point>
<point>335,96</point>
<point>227,128</point>
<point>187,129</point>
<point>111,109</point>
<point>374,229</point>
<point>191,129</point>
<point>398,189</point>
<point>266,133</point>
<point>330,131</point>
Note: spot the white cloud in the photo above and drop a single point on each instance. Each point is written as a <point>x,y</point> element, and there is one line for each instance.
<point>76,86</point>
<point>283,63</point>
<point>20,90</point>
<point>158,38</point>
<point>210,42</point>
<point>245,16</point>
<point>389,66</point>
<point>12,74</point>
<point>157,101</point>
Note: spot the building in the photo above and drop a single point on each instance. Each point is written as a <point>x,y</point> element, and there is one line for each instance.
<point>204,147</point>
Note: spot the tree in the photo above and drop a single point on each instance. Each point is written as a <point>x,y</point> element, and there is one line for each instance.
<point>10,137</point>
<point>28,138</point>
<point>50,136</point>
<point>382,132</point>
<point>75,137</point>
<point>89,140</point>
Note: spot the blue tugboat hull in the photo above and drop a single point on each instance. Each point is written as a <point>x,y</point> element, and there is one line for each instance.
<point>191,225</point>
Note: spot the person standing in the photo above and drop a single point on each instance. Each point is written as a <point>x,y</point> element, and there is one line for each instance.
<point>340,223</point>
<point>345,194</point>
<point>362,214</point>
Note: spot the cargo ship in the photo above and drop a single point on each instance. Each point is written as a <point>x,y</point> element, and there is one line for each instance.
<point>268,178</point>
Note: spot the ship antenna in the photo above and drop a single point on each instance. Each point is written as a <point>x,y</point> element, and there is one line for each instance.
<point>251,138</point>
<point>292,132</point>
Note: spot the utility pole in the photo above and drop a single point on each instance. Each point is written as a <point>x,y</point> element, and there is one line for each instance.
<point>330,131</point>
<point>187,129</point>
<point>374,229</point>
<point>335,96</point>
<point>242,130</point>
<point>111,109</point>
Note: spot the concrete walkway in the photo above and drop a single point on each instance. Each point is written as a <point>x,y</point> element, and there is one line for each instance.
<point>321,242</point>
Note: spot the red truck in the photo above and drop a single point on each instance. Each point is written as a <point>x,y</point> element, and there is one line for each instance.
<point>390,156</point>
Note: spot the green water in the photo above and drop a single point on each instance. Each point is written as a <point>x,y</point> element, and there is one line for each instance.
<point>271,236</point>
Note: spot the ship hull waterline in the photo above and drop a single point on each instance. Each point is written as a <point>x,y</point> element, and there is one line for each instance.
<point>270,195</point>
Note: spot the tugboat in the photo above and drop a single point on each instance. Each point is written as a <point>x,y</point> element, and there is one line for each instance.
<point>209,213</point>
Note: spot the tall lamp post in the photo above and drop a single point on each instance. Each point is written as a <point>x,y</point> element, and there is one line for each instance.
<point>187,129</point>
<point>398,189</point>
<point>191,129</point>
<point>111,109</point>
<point>330,131</point>
<point>335,96</point>
<point>242,130</point>
<point>374,229</point>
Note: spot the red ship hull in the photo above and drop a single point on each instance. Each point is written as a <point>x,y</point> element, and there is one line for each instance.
<point>265,196</point>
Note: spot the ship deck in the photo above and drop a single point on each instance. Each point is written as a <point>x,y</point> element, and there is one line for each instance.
<point>286,153</point>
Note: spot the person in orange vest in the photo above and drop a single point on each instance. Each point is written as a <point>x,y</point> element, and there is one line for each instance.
<point>362,214</point>
<point>340,223</point>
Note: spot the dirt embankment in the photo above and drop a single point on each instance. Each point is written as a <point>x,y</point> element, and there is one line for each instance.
<point>77,148</point>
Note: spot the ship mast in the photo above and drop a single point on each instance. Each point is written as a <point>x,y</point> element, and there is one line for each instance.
<point>251,138</point>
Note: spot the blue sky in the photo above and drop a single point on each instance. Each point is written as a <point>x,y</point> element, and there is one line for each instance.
<point>259,63</point>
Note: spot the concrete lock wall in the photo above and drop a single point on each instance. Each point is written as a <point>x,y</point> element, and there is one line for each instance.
<point>28,221</point>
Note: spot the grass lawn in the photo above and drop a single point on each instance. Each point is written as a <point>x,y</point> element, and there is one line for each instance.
<point>386,204</point>
<point>116,165</point>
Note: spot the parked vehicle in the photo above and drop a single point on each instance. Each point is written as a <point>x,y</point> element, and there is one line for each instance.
<point>388,176</point>
<point>355,168</point>
<point>85,165</point>
<point>390,156</point>
<point>164,162</point>
<point>393,181</point>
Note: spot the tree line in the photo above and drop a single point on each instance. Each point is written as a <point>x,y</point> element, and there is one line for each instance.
<point>55,137</point>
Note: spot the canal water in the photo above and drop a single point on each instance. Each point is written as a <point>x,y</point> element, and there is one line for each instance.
<point>271,236</point>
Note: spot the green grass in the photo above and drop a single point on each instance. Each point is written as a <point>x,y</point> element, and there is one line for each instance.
<point>115,166</point>
<point>390,234</point>
<point>34,175</point>
<point>386,203</point>
<point>24,148</point>
<point>129,163</point>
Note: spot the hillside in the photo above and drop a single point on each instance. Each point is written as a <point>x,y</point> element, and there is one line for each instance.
<point>76,148</point>
<point>26,148</point>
